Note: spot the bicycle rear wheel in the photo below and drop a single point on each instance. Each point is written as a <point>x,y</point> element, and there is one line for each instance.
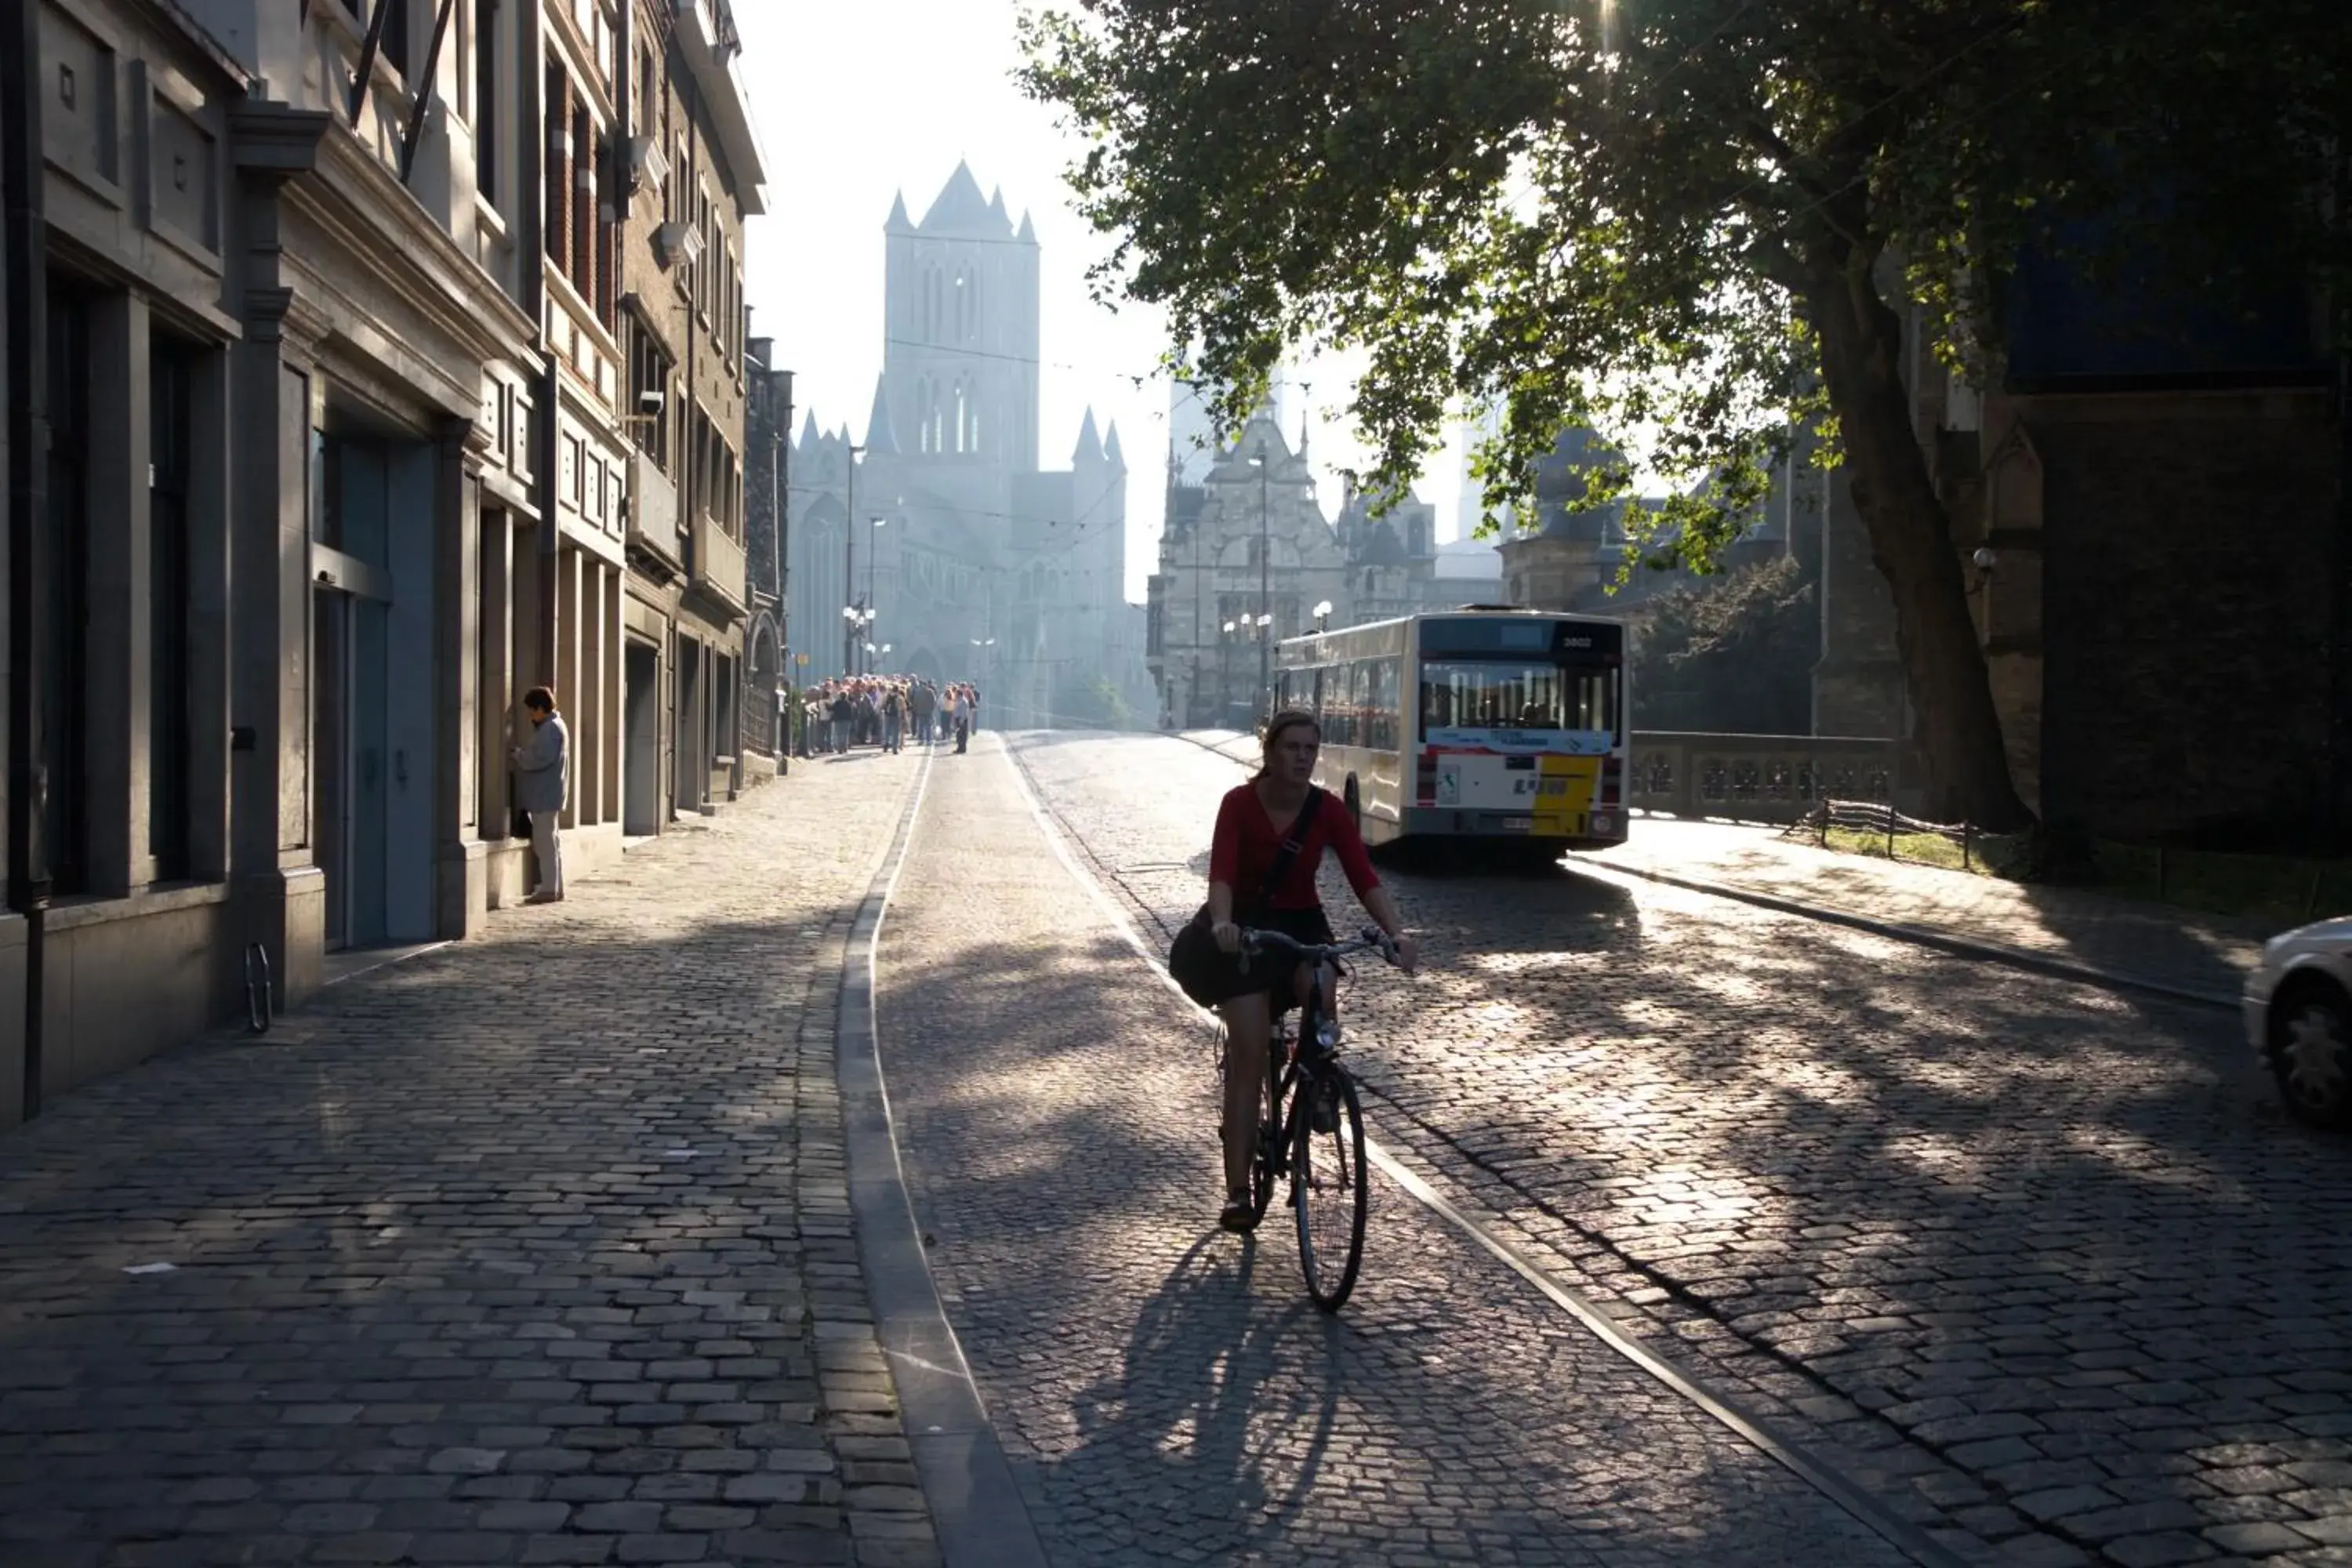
<point>1267,1164</point>
<point>1328,1185</point>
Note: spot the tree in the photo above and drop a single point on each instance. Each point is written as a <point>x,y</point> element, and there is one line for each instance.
<point>1091,701</point>
<point>1685,224</point>
<point>1732,656</point>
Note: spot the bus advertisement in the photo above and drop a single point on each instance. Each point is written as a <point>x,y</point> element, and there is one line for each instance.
<point>1487,723</point>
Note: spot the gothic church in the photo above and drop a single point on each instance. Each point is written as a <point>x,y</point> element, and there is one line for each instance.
<point>974,562</point>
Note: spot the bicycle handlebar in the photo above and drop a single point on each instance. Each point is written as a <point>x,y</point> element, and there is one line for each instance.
<point>1373,939</point>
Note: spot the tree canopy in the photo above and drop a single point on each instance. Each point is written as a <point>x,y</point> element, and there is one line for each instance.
<point>1731,655</point>
<point>1687,223</point>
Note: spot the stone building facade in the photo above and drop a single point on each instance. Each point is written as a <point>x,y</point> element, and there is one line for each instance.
<point>689,172</point>
<point>767,480</point>
<point>1250,541</point>
<point>939,540</point>
<point>2167,518</point>
<point>317,344</point>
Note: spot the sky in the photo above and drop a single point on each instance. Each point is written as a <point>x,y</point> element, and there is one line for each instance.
<point>857,102</point>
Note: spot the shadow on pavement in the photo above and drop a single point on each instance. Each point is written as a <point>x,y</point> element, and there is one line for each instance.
<point>2060,1237</point>
<point>545,1211</point>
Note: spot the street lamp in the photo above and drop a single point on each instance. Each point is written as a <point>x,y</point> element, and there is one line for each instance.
<point>1322,613</point>
<point>849,557</point>
<point>872,553</point>
<point>1265,557</point>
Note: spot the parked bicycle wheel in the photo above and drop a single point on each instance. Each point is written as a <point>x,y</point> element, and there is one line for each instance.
<point>1328,1185</point>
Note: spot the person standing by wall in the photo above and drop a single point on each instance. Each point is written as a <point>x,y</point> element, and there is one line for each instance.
<point>543,766</point>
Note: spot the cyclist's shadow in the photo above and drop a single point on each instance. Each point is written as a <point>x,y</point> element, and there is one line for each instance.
<point>1204,1362</point>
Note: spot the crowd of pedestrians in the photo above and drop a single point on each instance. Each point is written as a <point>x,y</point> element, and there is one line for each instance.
<point>888,711</point>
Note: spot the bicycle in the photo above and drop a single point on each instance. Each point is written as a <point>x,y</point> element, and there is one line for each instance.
<point>1310,1102</point>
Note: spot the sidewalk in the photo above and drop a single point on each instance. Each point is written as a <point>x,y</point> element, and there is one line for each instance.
<point>535,1248</point>
<point>2150,943</point>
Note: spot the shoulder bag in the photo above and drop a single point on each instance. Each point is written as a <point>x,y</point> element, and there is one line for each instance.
<point>1195,961</point>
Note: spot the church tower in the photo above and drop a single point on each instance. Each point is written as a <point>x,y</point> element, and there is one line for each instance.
<point>959,312</point>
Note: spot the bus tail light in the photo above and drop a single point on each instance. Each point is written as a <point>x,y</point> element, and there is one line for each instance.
<point>1612,780</point>
<point>1425,783</point>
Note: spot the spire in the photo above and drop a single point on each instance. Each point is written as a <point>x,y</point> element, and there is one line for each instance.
<point>899,223</point>
<point>1089,444</point>
<point>959,207</point>
<point>1028,235</point>
<point>810,435</point>
<point>879,436</point>
<point>996,209</point>
<point>1111,453</point>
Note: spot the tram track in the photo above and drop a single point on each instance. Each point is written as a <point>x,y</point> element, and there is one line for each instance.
<point>1133,908</point>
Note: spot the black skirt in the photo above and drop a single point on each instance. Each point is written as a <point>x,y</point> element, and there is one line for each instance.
<point>1266,972</point>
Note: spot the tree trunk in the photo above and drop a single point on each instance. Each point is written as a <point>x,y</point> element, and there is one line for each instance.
<point>1911,544</point>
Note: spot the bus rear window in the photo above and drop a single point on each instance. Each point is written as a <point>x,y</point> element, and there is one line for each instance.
<point>1493,694</point>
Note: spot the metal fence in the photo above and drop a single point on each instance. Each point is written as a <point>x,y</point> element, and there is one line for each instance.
<point>1769,778</point>
<point>759,723</point>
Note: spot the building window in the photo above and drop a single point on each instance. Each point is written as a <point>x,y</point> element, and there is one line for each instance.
<point>607,238</point>
<point>396,43</point>
<point>558,180</point>
<point>582,188</point>
<point>649,370</point>
<point>65,662</point>
<point>170,370</point>
<point>486,55</point>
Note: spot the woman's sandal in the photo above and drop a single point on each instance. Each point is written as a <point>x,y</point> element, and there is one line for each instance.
<point>1239,1215</point>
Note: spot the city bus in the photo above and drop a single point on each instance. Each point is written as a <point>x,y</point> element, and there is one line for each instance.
<point>1483,722</point>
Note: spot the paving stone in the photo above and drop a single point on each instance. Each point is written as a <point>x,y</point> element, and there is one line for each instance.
<point>2089,1209</point>
<point>1164,1392</point>
<point>437,1262</point>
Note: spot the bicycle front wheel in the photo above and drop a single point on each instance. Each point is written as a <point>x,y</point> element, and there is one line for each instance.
<point>1328,1185</point>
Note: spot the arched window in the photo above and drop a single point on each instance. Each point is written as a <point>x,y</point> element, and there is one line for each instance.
<point>959,416</point>
<point>922,430</point>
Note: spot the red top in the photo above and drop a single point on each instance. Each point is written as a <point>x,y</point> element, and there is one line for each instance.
<point>1246,841</point>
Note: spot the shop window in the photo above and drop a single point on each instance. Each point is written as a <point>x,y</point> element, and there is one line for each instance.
<point>65,662</point>
<point>170,376</point>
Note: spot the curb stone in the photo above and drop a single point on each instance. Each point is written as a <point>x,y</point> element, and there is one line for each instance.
<point>1921,936</point>
<point>959,1462</point>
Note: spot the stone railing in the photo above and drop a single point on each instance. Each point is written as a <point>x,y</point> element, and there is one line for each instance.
<point>1767,778</point>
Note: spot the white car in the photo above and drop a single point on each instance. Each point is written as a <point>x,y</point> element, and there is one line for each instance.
<point>2299,1007</point>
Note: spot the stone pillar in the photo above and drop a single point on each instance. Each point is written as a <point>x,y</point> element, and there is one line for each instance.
<point>117,641</point>
<point>461,887</point>
<point>590,738</point>
<point>280,893</point>
<point>495,693</point>
<point>567,662</point>
<point>615,700</point>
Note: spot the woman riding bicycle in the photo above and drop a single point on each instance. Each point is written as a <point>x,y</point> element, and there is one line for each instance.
<point>1252,823</point>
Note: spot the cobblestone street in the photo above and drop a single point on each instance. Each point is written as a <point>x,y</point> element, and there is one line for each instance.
<point>540,1248</point>
<point>1166,1392</point>
<point>534,1249</point>
<point>2044,1263</point>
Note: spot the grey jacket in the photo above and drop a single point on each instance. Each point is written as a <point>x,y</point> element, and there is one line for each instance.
<point>544,772</point>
